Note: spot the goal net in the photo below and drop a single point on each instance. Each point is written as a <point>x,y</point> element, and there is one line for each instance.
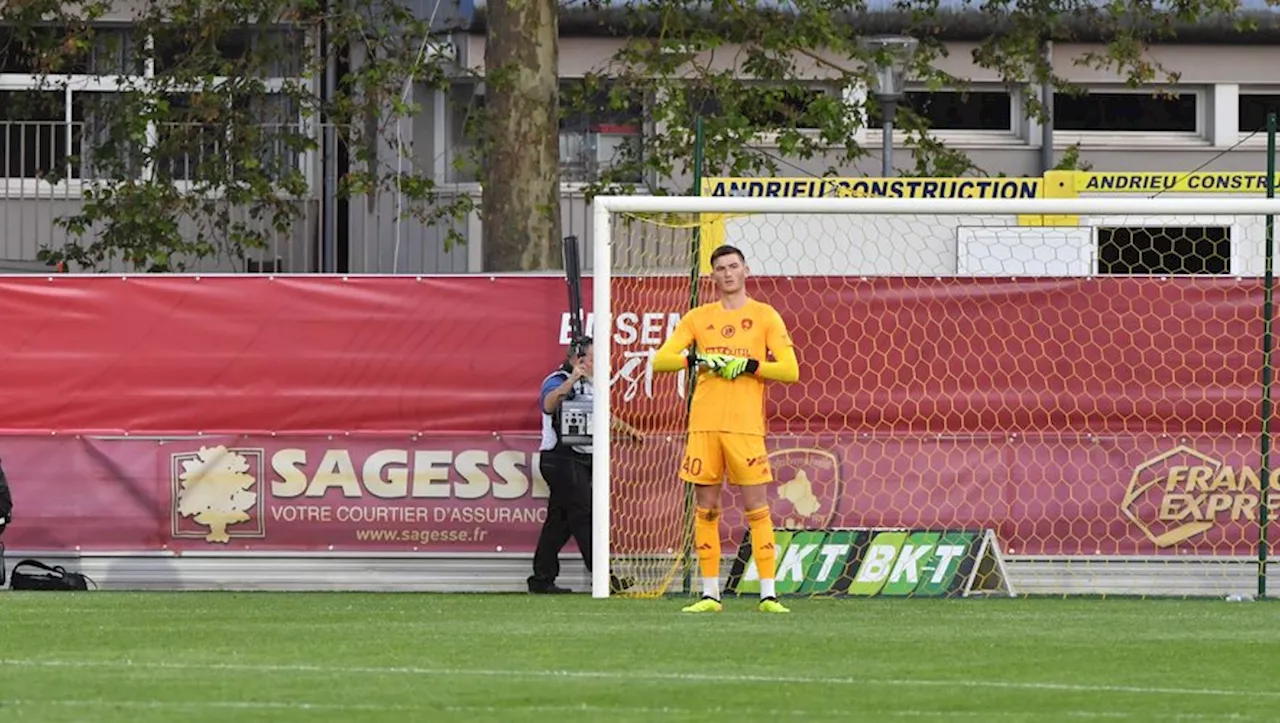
<point>1032,396</point>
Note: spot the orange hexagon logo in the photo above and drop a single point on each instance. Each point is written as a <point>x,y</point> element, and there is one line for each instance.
<point>1168,496</point>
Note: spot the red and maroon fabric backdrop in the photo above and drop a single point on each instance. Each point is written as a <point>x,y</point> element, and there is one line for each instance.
<point>1081,416</point>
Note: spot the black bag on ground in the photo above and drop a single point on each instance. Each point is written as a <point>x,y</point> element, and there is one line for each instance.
<point>6,503</point>
<point>35,575</point>
<point>6,514</point>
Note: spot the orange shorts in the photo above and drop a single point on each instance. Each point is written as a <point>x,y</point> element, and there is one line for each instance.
<point>708,455</point>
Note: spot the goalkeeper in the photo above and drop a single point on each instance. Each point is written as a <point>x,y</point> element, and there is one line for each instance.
<point>734,337</point>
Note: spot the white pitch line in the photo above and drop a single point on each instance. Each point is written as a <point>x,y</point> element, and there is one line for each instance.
<point>375,707</point>
<point>641,675</point>
<point>103,703</point>
<point>206,704</point>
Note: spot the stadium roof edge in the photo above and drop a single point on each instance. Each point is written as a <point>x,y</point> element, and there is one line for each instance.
<point>964,19</point>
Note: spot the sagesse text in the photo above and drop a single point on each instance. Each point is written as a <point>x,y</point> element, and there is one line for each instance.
<point>400,473</point>
<point>649,328</point>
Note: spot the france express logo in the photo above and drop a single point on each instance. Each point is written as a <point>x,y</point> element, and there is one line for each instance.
<point>1182,493</point>
<point>214,494</point>
<point>862,563</point>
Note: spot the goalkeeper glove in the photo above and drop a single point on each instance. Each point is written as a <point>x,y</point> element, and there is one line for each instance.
<point>712,362</point>
<point>737,366</point>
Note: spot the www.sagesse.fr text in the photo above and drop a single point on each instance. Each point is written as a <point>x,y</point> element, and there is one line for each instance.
<point>422,536</point>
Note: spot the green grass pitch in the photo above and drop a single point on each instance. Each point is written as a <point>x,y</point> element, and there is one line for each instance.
<point>115,656</point>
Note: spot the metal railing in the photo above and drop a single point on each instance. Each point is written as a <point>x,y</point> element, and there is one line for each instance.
<point>46,167</point>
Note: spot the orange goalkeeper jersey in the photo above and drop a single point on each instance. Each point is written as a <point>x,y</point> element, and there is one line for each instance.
<point>719,404</point>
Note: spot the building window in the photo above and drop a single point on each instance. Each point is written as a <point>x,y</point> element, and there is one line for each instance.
<point>1254,108</point>
<point>46,139</point>
<point>272,52</point>
<point>1160,250</point>
<point>1128,112</point>
<point>600,127</point>
<point>116,51</point>
<point>584,107</point>
<point>189,148</point>
<point>769,108</point>
<point>954,110</point>
<point>92,120</point>
<point>38,50</point>
<point>466,113</point>
<point>37,144</point>
<point>778,108</point>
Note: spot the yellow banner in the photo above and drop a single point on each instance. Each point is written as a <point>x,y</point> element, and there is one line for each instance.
<point>1054,184</point>
<point>1171,182</point>
<point>1065,183</point>
<point>1000,188</point>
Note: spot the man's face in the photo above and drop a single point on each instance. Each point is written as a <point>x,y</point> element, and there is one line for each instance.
<point>587,359</point>
<point>729,273</point>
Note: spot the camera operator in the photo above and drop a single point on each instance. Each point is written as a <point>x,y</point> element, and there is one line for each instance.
<point>567,469</point>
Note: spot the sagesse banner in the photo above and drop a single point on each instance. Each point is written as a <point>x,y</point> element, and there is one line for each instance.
<point>400,414</point>
<point>888,563</point>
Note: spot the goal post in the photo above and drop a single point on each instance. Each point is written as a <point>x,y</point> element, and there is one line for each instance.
<point>1074,383</point>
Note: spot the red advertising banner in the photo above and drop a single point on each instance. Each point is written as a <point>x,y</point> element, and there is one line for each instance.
<point>243,354</point>
<point>1079,416</point>
<point>1043,495</point>
<point>246,354</point>
<point>978,355</point>
<point>443,493</point>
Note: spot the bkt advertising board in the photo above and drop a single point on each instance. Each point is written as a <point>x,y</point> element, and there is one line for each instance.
<point>868,563</point>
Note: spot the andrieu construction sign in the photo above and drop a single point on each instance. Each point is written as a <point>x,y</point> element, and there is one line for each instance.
<point>867,562</point>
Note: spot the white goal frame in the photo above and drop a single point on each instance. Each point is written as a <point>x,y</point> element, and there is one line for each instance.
<point>603,208</point>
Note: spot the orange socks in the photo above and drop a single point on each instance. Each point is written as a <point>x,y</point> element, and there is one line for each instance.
<point>762,547</point>
<point>706,539</point>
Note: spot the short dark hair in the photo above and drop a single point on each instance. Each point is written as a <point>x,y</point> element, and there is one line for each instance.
<point>726,250</point>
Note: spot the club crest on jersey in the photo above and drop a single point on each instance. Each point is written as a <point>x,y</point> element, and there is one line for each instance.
<point>728,331</point>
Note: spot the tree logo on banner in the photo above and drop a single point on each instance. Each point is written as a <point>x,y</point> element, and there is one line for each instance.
<point>214,494</point>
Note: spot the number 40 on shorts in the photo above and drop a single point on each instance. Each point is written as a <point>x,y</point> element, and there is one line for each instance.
<point>691,466</point>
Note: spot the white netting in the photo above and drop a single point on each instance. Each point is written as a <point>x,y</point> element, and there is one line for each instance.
<point>1088,391</point>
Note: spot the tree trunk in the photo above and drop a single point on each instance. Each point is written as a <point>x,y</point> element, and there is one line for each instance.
<point>520,204</point>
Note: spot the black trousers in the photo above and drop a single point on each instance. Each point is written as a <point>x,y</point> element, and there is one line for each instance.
<point>568,474</point>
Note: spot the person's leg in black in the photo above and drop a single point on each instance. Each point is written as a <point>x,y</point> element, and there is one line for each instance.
<point>577,505</point>
<point>557,471</point>
<point>578,508</point>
